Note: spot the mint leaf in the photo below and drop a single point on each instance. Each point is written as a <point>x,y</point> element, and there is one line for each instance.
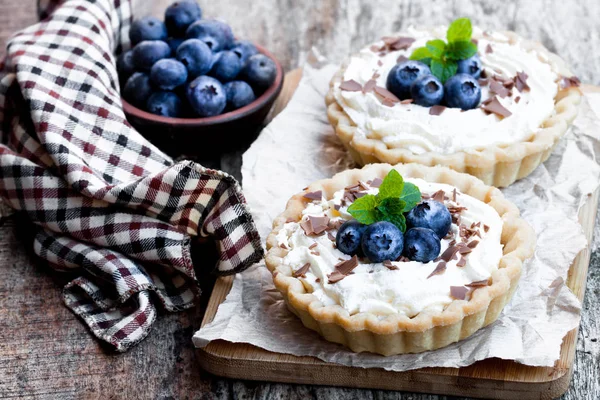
<point>396,219</point>
<point>460,50</point>
<point>436,48</point>
<point>443,70</point>
<point>411,196</point>
<point>391,205</point>
<point>459,30</point>
<point>421,54</point>
<point>391,186</point>
<point>363,209</point>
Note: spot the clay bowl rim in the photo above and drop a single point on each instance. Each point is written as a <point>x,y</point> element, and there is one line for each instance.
<point>249,109</point>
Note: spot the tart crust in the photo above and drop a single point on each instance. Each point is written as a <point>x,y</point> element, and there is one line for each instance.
<point>397,334</point>
<point>495,165</point>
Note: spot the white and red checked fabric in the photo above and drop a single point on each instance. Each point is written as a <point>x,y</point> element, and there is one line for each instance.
<point>106,203</point>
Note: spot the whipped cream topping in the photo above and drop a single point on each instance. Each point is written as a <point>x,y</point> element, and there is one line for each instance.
<point>374,287</point>
<point>411,127</point>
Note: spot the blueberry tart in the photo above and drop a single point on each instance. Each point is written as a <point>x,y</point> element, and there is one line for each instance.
<point>491,104</point>
<point>395,260</point>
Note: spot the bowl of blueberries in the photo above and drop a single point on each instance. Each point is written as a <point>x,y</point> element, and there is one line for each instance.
<point>191,87</point>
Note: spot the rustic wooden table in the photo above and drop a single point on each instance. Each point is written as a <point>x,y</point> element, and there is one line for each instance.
<point>46,352</point>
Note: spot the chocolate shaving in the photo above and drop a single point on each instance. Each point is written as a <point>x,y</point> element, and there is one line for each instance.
<point>388,264</point>
<point>402,58</point>
<point>315,225</point>
<point>337,207</point>
<point>486,228</point>
<point>376,182</point>
<point>483,74</point>
<point>314,195</point>
<point>371,83</point>
<point>448,254</point>
<point>407,101</point>
<point>454,195</point>
<point>334,224</point>
<point>475,41</point>
<point>473,244</point>
<point>358,195</point>
<point>351,188</point>
<point>312,246</point>
<point>315,253</point>
<point>335,276</point>
<point>463,248</point>
<point>301,272</point>
<point>387,103</point>
<point>517,99</point>
<point>488,49</point>
<point>402,259</point>
<point>351,86</point>
<point>283,246</point>
<point>439,196</point>
<point>398,43</point>
<point>572,81</point>
<point>462,262</point>
<point>439,269</point>
<point>363,185</point>
<point>521,81</point>
<point>318,280</point>
<point>498,88</point>
<point>379,63</point>
<point>458,292</point>
<point>342,269</point>
<point>436,110</point>
<point>494,106</point>
<point>477,284</point>
<point>330,236</point>
<point>386,94</point>
<point>375,75</point>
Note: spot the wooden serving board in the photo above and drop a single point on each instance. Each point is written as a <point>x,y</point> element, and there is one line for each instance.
<point>491,378</point>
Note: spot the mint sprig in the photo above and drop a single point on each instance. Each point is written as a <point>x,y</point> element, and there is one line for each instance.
<point>395,198</point>
<point>443,57</point>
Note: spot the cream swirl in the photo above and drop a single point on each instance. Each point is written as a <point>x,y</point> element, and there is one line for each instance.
<point>407,290</point>
<point>410,126</point>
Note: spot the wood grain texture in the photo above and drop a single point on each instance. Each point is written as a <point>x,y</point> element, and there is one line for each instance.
<point>45,352</point>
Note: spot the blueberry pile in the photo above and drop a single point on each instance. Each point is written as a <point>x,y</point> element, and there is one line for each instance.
<point>413,80</point>
<point>191,67</point>
<point>428,223</point>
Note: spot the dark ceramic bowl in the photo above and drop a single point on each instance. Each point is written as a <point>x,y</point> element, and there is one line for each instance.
<point>207,136</point>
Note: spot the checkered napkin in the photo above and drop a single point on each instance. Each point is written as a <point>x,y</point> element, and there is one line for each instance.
<point>105,202</point>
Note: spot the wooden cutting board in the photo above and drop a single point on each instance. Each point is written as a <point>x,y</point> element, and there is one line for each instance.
<point>492,378</point>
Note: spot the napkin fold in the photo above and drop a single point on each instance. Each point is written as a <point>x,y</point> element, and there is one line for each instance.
<point>105,202</point>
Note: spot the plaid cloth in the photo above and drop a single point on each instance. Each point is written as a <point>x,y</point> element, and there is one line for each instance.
<point>105,201</point>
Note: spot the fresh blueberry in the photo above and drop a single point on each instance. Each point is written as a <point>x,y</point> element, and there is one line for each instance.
<point>226,67</point>
<point>402,76</point>
<point>174,43</point>
<point>206,96</point>
<point>180,15</point>
<point>125,67</point>
<point>168,73</point>
<point>462,91</point>
<point>137,89</point>
<point>216,34</point>
<point>427,91</point>
<point>167,104</point>
<point>471,66</point>
<point>349,236</point>
<point>147,28</point>
<point>244,49</point>
<point>421,244</point>
<point>146,53</point>
<point>382,241</point>
<point>239,94</point>
<point>430,214</point>
<point>260,72</point>
<point>196,56</point>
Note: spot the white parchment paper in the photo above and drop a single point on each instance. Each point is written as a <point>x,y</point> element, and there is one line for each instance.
<point>299,147</point>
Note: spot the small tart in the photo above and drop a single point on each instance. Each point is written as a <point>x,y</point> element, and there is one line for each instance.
<point>447,302</point>
<point>495,147</point>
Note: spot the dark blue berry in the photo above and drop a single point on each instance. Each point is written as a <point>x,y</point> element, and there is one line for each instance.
<point>180,15</point>
<point>125,67</point>
<point>206,96</point>
<point>174,43</point>
<point>167,104</point>
<point>216,34</point>
<point>147,28</point>
<point>137,89</point>
<point>226,67</point>
<point>167,74</point>
<point>196,56</point>
<point>430,214</point>
<point>421,244</point>
<point>239,94</point>
<point>348,238</point>
<point>471,66</point>
<point>462,91</point>
<point>382,241</point>
<point>244,49</point>
<point>146,53</point>
<point>402,76</point>
<point>427,91</point>
<point>260,72</point>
